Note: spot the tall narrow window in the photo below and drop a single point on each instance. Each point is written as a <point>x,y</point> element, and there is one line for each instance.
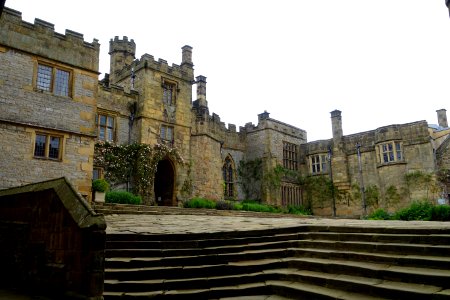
<point>54,80</point>
<point>166,133</point>
<point>168,93</point>
<point>318,163</point>
<point>61,83</point>
<point>105,125</point>
<point>228,175</point>
<point>40,145</point>
<point>290,154</point>
<point>47,146</point>
<point>44,78</point>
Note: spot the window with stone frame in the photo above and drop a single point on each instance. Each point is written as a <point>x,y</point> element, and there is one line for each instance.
<point>290,154</point>
<point>167,133</point>
<point>318,163</point>
<point>97,173</point>
<point>48,146</point>
<point>228,178</point>
<point>169,92</point>
<point>391,152</point>
<point>106,127</point>
<point>290,195</point>
<point>54,80</point>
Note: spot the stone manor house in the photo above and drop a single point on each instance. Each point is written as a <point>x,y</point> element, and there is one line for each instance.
<point>53,109</point>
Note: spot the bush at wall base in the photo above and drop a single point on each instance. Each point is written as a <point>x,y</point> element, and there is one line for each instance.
<point>122,197</point>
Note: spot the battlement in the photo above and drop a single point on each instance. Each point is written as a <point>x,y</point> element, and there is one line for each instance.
<point>265,122</point>
<point>122,45</point>
<point>40,37</point>
<point>148,61</point>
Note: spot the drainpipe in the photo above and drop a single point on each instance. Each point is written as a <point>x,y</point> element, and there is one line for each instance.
<point>133,108</point>
<point>330,156</point>
<point>363,193</point>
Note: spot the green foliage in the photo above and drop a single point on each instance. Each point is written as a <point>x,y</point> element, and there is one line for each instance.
<point>122,197</point>
<point>379,214</point>
<point>248,206</point>
<point>250,177</point>
<point>443,176</point>
<point>392,196</point>
<point>298,210</point>
<point>418,210</point>
<point>186,189</point>
<point>318,189</point>
<point>372,196</point>
<point>199,203</point>
<point>440,213</point>
<point>418,180</point>
<point>272,179</point>
<point>224,205</point>
<point>100,185</point>
<point>134,162</point>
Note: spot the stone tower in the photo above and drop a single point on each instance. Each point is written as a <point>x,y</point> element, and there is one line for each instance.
<point>122,54</point>
<point>442,118</point>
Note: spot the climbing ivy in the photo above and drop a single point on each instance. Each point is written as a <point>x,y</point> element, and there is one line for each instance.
<point>418,180</point>
<point>133,162</point>
<point>250,177</point>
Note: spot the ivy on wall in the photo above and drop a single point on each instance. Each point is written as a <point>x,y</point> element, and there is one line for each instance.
<point>250,176</point>
<point>135,163</point>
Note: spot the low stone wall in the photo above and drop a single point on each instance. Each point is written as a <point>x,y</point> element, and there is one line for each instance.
<point>53,243</point>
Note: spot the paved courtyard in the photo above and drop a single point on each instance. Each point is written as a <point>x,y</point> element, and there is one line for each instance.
<point>167,224</point>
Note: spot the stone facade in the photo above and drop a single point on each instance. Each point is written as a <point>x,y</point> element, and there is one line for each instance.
<point>28,110</point>
<point>147,101</point>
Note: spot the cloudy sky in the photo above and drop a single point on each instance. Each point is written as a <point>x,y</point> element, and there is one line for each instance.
<point>379,62</point>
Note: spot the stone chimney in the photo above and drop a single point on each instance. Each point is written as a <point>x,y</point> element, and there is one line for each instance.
<point>442,118</point>
<point>186,56</point>
<point>336,125</point>
<point>201,91</point>
<point>263,116</point>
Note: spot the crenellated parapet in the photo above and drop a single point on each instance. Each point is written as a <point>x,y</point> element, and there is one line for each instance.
<point>265,122</point>
<point>40,37</point>
<point>184,71</point>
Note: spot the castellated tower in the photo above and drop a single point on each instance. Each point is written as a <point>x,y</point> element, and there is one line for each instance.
<point>121,54</point>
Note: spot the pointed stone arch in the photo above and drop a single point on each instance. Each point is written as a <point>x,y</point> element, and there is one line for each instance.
<point>164,184</point>
<point>229,177</point>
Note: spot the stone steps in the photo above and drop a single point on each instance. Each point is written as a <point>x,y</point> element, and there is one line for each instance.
<point>304,262</point>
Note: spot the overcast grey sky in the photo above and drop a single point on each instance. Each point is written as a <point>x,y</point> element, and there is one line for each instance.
<point>379,62</point>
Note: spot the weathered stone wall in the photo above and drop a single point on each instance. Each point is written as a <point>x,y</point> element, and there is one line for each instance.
<point>27,110</point>
<point>18,166</point>
<point>266,141</point>
<point>206,167</point>
<point>417,152</point>
<point>114,101</point>
<point>41,39</point>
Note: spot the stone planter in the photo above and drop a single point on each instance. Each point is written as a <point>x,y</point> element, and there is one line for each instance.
<point>99,196</point>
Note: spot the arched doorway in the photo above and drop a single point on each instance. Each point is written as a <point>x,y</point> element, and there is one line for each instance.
<point>164,183</point>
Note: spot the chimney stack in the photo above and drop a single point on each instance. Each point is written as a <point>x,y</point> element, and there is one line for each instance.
<point>201,91</point>
<point>186,56</point>
<point>442,118</point>
<point>336,125</point>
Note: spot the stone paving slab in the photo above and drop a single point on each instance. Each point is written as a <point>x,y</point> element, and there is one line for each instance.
<point>179,224</point>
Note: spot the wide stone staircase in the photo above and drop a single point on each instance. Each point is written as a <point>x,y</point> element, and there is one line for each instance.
<point>303,262</point>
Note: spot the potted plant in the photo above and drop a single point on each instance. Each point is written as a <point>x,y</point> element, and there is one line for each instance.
<point>100,187</point>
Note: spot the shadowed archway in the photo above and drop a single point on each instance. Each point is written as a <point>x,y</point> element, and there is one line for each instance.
<point>164,183</point>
